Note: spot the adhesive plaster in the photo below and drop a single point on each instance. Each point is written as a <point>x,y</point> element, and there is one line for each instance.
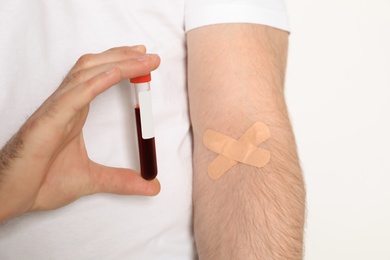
<point>231,151</point>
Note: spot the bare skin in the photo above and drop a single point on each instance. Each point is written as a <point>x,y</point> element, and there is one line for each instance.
<point>45,165</point>
<point>249,212</point>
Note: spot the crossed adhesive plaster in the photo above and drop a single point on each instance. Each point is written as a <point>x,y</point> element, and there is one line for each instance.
<point>231,151</point>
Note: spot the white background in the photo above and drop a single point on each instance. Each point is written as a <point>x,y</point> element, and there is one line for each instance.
<point>338,92</point>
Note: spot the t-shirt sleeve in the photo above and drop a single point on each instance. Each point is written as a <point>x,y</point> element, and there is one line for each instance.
<point>205,12</point>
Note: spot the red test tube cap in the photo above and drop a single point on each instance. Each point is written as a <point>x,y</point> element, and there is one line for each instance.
<point>141,79</point>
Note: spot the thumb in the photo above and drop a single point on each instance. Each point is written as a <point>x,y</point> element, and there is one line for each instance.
<point>120,181</point>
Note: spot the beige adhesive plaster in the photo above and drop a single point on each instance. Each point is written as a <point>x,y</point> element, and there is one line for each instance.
<point>232,151</point>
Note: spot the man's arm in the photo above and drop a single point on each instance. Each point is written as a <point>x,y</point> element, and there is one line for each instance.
<point>236,77</point>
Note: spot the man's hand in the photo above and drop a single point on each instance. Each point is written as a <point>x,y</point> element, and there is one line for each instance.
<point>45,165</point>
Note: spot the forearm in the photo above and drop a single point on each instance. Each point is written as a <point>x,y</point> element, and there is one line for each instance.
<point>249,212</point>
<point>14,167</point>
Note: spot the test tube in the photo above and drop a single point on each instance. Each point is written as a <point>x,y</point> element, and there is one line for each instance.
<point>145,128</point>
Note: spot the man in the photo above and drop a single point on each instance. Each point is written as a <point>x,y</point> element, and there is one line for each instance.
<point>235,65</point>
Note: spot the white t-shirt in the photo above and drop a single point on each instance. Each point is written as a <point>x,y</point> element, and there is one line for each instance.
<point>40,40</point>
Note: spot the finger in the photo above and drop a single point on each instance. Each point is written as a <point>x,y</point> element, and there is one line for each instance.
<point>80,96</point>
<point>120,181</point>
<point>128,68</point>
<point>140,48</point>
<point>112,55</point>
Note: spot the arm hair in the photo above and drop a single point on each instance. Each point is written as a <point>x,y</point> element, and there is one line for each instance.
<point>236,77</point>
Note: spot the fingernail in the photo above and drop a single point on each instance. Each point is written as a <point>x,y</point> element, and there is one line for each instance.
<point>139,47</point>
<point>110,70</point>
<point>143,57</point>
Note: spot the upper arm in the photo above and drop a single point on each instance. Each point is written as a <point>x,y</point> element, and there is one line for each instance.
<point>236,70</point>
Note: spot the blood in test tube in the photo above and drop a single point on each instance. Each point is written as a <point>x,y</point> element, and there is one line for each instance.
<point>145,129</point>
<point>147,151</point>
